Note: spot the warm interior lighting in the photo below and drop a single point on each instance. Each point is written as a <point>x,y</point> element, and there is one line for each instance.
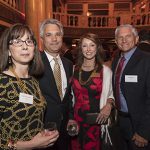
<point>88,13</point>
<point>74,45</point>
<point>143,7</point>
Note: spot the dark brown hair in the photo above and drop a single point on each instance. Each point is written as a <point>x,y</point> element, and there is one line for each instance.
<point>99,54</point>
<point>16,31</point>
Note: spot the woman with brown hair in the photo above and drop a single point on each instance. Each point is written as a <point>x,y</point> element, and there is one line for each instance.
<point>21,102</point>
<point>92,89</point>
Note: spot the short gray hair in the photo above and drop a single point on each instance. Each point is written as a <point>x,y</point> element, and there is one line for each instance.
<point>50,21</point>
<point>133,29</point>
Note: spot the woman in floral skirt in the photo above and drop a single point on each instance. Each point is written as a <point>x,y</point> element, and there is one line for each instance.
<point>92,89</point>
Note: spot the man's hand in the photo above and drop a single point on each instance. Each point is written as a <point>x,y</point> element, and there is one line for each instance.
<point>139,141</point>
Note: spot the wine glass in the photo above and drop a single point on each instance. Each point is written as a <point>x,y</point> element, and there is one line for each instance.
<point>72,129</point>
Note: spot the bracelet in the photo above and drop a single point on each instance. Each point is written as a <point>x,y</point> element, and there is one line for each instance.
<point>12,145</point>
<point>111,102</point>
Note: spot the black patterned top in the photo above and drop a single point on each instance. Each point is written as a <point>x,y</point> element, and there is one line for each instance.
<point>18,120</point>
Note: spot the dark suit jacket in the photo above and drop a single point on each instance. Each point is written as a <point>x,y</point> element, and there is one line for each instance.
<point>57,110</point>
<point>137,95</point>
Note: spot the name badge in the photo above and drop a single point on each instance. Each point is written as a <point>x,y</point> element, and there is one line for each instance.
<point>26,98</point>
<point>131,78</point>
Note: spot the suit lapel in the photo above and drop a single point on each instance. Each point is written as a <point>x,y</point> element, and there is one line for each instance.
<point>135,58</point>
<point>114,66</point>
<point>66,68</point>
<point>51,84</point>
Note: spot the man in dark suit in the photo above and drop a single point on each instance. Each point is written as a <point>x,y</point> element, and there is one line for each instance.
<point>133,93</point>
<point>59,106</point>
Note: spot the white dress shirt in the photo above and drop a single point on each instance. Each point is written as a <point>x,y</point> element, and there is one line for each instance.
<point>63,73</point>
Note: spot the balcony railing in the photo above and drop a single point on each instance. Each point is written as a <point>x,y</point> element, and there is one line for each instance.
<point>10,12</point>
<point>11,3</point>
<point>80,21</point>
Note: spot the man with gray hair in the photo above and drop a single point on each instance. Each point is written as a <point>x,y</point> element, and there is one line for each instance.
<point>131,84</point>
<point>54,83</point>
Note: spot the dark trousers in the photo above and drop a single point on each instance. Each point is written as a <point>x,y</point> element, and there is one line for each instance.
<point>126,132</point>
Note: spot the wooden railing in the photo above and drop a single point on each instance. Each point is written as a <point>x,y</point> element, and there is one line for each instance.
<point>80,21</point>
<point>10,12</point>
<point>11,3</point>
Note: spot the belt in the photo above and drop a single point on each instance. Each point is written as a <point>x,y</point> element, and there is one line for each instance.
<point>123,114</point>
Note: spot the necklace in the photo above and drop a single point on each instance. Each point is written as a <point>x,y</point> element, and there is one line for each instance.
<point>20,82</point>
<point>80,76</point>
<point>88,66</point>
<point>26,90</point>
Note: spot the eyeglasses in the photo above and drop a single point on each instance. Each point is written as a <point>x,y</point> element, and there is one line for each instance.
<point>19,42</point>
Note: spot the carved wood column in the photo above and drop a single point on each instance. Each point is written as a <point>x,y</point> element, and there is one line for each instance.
<point>36,11</point>
<point>49,8</point>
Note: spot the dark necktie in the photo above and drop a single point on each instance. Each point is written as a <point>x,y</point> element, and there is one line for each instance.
<point>57,76</point>
<point>117,80</point>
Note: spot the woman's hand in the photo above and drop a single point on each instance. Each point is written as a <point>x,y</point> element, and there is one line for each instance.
<point>104,113</point>
<point>41,140</point>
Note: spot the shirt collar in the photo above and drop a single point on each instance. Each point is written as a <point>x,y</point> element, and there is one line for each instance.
<point>128,54</point>
<point>50,57</point>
